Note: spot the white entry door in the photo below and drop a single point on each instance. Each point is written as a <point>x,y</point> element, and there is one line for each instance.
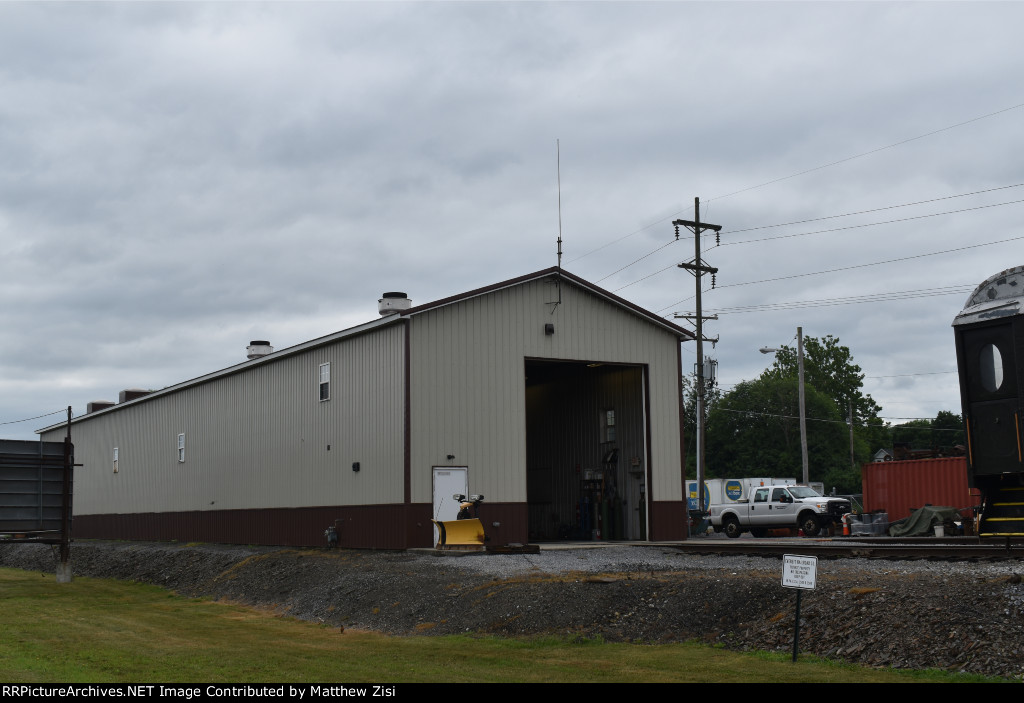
<point>448,480</point>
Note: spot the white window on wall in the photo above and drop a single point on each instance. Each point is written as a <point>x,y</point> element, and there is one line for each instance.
<point>115,460</point>
<point>181,448</point>
<point>325,381</point>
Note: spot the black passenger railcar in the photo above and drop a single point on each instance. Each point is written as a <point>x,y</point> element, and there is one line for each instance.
<point>989,335</point>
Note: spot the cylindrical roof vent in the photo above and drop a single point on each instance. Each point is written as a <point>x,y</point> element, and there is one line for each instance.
<point>393,303</point>
<point>258,348</point>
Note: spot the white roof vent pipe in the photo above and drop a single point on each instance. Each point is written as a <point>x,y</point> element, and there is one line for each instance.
<point>258,348</point>
<point>393,303</point>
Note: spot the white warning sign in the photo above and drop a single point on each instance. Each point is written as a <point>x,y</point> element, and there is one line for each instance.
<point>799,572</point>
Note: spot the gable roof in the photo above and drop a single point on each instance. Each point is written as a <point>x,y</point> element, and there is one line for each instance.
<point>553,272</point>
<point>557,272</point>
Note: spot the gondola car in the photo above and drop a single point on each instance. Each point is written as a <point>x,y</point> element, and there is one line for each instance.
<point>989,334</point>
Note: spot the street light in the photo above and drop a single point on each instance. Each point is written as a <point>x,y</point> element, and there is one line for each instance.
<point>803,414</point>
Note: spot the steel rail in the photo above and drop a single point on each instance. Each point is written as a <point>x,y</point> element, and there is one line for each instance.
<point>936,548</point>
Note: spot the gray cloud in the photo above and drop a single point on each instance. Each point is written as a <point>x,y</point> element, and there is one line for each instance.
<point>176,179</point>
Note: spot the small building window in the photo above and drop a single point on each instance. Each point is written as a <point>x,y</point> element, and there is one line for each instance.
<point>325,381</point>
<point>115,460</point>
<point>181,448</point>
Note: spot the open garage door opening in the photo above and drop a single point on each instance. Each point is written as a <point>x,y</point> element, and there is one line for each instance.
<point>586,448</point>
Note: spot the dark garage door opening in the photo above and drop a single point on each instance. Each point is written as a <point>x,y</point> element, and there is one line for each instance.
<point>586,451</point>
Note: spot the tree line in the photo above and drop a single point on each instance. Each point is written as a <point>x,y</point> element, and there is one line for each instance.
<point>754,429</point>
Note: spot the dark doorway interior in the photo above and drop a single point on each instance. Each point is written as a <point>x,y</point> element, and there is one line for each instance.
<point>586,451</point>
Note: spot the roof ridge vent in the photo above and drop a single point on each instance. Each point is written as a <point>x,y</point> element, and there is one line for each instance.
<point>258,348</point>
<point>393,303</point>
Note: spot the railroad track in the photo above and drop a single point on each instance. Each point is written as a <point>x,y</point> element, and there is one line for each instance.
<point>935,548</point>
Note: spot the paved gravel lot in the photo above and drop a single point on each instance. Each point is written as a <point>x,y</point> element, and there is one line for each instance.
<point>961,616</point>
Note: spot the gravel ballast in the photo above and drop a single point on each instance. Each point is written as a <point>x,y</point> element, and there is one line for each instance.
<point>960,616</point>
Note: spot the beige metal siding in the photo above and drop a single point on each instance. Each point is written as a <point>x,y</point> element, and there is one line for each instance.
<point>468,386</point>
<point>257,438</point>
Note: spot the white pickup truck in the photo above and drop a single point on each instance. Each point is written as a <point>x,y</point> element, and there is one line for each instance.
<point>771,507</point>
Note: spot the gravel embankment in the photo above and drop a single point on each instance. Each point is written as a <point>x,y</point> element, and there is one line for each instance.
<point>961,616</point>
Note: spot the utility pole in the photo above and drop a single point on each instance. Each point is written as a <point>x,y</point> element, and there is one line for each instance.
<point>800,388</point>
<point>698,269</point>
<point>849,406</point>
<point>803,409</point>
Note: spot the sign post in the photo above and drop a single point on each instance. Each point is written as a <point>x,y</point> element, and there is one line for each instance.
<point>801,573</point>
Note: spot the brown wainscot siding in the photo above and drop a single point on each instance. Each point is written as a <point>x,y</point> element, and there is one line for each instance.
<point>374,527</point>
<point>359,526</point>
<point>668,520</point>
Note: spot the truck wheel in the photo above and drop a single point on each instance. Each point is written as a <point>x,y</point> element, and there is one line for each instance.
<point>809,524</point>
<point>731,527</point>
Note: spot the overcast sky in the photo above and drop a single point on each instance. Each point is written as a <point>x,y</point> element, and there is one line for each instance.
<point>179,179</point>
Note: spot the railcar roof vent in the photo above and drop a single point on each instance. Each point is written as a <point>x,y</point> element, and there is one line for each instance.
<point>393,303</point>
<point>258,348</point>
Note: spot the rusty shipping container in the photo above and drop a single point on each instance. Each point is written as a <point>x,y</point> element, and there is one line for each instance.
<point>900,487</point>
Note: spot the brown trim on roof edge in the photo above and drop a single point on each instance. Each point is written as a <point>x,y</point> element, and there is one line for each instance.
<point>560,273</point>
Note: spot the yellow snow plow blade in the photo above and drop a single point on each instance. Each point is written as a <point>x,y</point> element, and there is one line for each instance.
<point>460,534</point>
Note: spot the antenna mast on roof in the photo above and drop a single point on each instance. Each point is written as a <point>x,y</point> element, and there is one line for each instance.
<point>558,160</point>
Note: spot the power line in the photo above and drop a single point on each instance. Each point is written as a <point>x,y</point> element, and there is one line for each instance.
<point>871,224</point>
<point>876,263</point>
<point>673,304</point>
<point>852,300</point>
<point>670,243</point>
<point>832,217</point>
<point>754,413</point>
<point>794,175</point>
<point>627,236</point>
<point>868,153</point>
<point>14,422</point>
<point>877,209</point>
<point>670,266</point>
<point>923,373</point>
<point>784,417</point>
<point>947,251</point>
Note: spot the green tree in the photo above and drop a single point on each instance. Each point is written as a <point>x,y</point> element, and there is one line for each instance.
<point>829,367</point>
<point>876,434</point>
<point>949,429</point>
<point>916,434</point>
<point>942,433</point>
<point>754,430</point>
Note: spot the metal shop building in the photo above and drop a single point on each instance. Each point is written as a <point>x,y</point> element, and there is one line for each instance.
<point>557,400</point>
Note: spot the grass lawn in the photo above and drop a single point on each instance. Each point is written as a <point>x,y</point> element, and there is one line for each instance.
<point>97,630</point>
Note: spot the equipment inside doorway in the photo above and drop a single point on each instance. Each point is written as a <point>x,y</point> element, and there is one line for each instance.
<point>586,449</point>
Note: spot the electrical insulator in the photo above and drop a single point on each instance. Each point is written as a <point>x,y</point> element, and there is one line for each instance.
<point>718,239</point>
<point>677,231</point>
<point>712,280</point>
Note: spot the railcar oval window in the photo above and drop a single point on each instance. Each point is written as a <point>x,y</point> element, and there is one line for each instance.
<point>991,367</point>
